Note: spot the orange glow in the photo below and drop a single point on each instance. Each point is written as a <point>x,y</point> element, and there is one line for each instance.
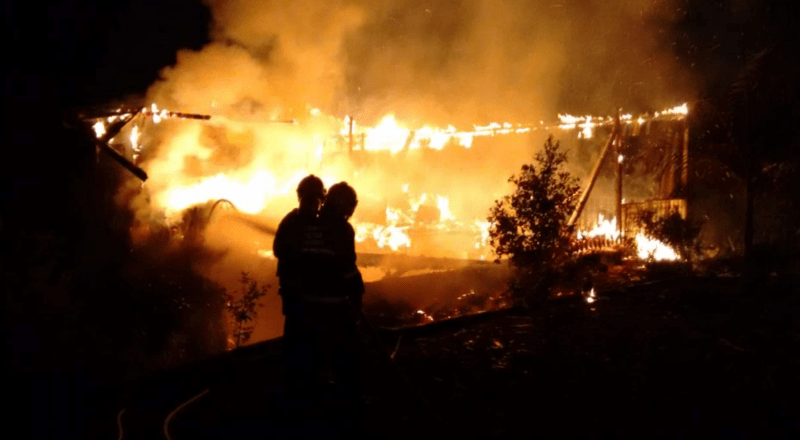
<point>247,195</point>
<point>99,129</point>
<point>266,160</point>
<point>681,110</point>
<point>650,248</point>
<point>424,315</point>
<point>647,248</point>
<point>603,228</point>
<point>387,135</point>
<point>443,203</point>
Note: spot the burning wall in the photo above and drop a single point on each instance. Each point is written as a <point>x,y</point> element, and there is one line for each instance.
<point>433,202</point>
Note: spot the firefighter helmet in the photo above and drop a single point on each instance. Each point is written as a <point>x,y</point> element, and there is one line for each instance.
<point>311,186</point>
<point>342,199</point>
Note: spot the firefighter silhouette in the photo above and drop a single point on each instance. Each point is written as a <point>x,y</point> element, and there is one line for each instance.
<point>320,287</point>
<point>342,338</point>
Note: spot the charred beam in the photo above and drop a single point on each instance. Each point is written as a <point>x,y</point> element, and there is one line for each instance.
<point>112,130</point>
<point>181,115</point>
<point>122,160</point>
<point>685,163</point>
<point>116,127</point>
<point>149,113</point>
<point>593,177</point>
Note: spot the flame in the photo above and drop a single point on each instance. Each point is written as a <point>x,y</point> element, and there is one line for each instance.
<point>443,203</point>
<point>157,114</point>
<point>483,237</point>
<point>587,128</point>
<point>273,175</point>
<point>387,135</point>
<point>590,298</point>
<point>318,153</point>
<point>424,315</point>
<point>345,131</point>
<point>392,236</point>
<point>266,253</point>
<point>248,195</point>
<point>569,122</point>
<point>415,204</point>
<point>495,128</point>
<point>391,136</point>
<point>603,228</point>
<point>134,138</point>
<point>647,248</point>
<point>650,248</point>
<point>99,129</point>
<point>682,109</point>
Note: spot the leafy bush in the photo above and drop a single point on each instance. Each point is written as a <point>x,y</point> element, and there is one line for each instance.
<point>529,226</point>
<point>673,230</point>
<point>243,311</point>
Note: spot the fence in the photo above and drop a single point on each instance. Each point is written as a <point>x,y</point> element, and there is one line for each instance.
<point>632,212</point>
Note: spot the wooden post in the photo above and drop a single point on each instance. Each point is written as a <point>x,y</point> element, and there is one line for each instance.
<point>350,137</point>
<point>685,165</point>
<point>676,163</point>
<point>620,229</point>
<point>138,172</point>
<point>592,178</point>
<point>113,130</point>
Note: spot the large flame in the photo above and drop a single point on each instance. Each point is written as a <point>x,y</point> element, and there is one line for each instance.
<point>650,248</point>
<point>185,171</point>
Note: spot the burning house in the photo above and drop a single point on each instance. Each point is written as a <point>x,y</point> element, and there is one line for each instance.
<point>423,196</point>
<point>423,205</point>
<point>425,109</point>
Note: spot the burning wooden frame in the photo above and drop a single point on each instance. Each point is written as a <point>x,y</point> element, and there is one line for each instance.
<point>432,223</point>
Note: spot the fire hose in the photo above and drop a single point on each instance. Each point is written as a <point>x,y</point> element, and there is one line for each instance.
<point>244,218</point>
<point>360,317</point>
<point>389,357</point>
<point>180,407</point>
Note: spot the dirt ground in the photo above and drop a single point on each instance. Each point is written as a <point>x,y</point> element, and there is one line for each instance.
<point>684,356</point>
<point>676,357</point>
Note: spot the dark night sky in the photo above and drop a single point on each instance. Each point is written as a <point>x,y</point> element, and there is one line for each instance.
<point>71,54</point>
<point>90,52</point>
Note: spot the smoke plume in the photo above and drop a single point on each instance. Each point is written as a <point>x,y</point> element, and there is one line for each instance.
<point>437,61</point>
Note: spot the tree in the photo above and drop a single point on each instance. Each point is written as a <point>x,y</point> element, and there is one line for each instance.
<point>529,226</point>
<point>243,310</point>
<point>756,143</point>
